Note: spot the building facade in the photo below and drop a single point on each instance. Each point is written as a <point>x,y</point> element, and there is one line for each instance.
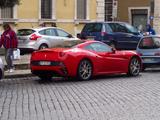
<point>70,15</point>
<point>136,12</point>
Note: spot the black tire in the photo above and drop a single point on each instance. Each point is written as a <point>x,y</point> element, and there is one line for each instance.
<point>43,46</point>
<point>85,70</point>
<point>45,77</point>
<point>134,67</point>
<point>143,68</point>
<point>1,74</point>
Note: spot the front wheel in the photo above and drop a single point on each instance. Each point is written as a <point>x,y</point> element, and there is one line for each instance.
<point>134,67</point>
<point>84,70</point>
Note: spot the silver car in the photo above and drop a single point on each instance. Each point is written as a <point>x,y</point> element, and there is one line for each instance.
<point>149,50</point>
<point>1,69</point>
<point>40,38</point>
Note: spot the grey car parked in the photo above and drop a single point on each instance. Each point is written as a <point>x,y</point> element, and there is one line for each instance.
<point>149,50</point>
<point>40,38</point>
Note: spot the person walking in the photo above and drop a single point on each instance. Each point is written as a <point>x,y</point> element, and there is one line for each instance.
<point>9,41</point>
<point>150,30</point>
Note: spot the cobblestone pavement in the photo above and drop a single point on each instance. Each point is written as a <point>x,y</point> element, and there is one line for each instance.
<point>105,98</point>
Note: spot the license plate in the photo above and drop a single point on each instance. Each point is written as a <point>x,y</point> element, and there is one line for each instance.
<point>45,63</point>
<point>148,60</point>
<point>90,37</point>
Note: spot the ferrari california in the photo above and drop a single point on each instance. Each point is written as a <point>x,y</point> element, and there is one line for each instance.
<point>83,60</point>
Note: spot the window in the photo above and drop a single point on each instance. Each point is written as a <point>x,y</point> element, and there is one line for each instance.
<point>150,43</point>
<point>49,32</point>
<point>108,10</point>
<point>93,27</point>
<point>98,47</point>
<point>62,33</point>
<point>7,12</point>
<point>25,32</point>
<point>131,29</point>
<point>46,9</point>
<point>81,9</point>
<point>118,27</point>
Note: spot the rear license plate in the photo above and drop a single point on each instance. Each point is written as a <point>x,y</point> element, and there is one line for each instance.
<point>44,63</point>
<point>148,60</point>
<point>90,37</point>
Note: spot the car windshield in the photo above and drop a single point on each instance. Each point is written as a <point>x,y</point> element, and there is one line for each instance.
<point>69,44</point>
<point>150,43</point>
<point>131,29</point>
<point>25,32</point>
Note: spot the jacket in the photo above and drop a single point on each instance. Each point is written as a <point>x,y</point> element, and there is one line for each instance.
<point>9,39</point>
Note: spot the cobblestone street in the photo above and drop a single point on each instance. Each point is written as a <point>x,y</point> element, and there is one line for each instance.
<point>105,98</point>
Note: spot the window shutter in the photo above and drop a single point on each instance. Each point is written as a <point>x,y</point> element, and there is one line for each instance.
<point>46,9</point>
<point>7,12</point>
<point>81,9</point>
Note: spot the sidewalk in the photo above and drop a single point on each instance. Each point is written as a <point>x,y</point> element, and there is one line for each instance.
<point>22,67</point>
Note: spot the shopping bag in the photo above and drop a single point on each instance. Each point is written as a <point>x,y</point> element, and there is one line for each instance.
<point>16,54</point>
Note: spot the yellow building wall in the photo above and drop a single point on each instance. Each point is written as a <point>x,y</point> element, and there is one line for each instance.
<point>65,9</point>
<point>93,9</point>
<point>28,9</point>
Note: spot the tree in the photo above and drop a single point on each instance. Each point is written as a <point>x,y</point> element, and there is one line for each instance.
<point>8,3</point>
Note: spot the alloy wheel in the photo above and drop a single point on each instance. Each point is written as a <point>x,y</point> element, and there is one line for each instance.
<point>134,67</point>
<point>85,70</point>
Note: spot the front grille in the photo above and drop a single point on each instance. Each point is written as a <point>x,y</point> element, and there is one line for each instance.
<point>53,63</point>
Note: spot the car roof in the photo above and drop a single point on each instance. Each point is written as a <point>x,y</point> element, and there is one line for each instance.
<point>108,22</point>
<point>40,28</point>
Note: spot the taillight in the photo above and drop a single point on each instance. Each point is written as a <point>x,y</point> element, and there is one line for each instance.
<point>157,54</point>
<point>103,33</point>
<point>34,37</point>
<point>61,54</point>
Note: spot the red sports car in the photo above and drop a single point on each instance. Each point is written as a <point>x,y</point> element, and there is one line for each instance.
<point>84,59</point>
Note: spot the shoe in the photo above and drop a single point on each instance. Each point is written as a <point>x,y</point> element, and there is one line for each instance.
<point>11,70</point>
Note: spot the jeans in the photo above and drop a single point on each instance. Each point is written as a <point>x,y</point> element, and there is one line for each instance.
<point>9,58</point>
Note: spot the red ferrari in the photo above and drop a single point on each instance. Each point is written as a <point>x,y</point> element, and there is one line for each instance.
<point>84,59</point>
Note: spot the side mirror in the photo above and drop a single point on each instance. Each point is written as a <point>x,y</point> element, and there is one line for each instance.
<point>69,36</point>
<point>113,50</point>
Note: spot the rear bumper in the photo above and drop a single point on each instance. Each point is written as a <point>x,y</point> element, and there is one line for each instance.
<point>151,64</point>
<point>52,70</point>
<point>30,45</point>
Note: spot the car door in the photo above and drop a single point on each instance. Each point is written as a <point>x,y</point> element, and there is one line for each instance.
<point>49,36</point>
<point>133,36</point>
<point>119,35</point>
<point>107,60</point>
<point>63,36</point>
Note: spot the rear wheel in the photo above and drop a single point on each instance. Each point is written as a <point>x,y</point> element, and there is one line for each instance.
<point>84,70</point>
<point>134,67</point>
<point>43,46</point>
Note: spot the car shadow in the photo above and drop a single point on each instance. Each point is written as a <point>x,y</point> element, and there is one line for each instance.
<point>60,80</point>
<point>152,70</point>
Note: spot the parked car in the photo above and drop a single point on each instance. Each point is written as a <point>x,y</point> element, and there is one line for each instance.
<point>83,60</point>
<point>1,69</point>
<point>149,51</point>
<point>40,38</point>
<point>120,35</point>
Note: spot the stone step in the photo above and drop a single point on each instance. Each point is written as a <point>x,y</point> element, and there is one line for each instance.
<point>22,64</point>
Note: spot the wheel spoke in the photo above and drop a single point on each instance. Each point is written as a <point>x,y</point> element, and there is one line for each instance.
<point>135,66</point>
<point>85,69</point>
